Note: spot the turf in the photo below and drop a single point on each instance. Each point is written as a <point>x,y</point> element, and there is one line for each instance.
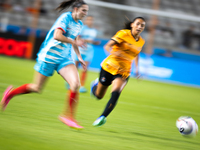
<point>144,118</point>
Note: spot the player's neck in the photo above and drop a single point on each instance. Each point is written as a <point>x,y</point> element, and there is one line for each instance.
<point>136,36</point>
<point>74,17</point>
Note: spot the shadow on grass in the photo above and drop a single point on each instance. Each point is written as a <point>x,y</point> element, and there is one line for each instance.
<point>162,138</point>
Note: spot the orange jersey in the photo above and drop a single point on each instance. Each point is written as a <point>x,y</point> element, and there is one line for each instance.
<point>123,53</point>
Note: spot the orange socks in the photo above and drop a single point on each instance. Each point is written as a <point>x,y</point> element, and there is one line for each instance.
<point>83,78</point>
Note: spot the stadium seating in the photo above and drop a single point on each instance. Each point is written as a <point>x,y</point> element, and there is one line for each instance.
<point>108,21</point>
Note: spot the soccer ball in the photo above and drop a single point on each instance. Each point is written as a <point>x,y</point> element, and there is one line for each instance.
<point>187,126</point>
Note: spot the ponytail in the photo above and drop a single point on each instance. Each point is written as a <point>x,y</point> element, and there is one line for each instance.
<point>66,4</point>
<point>128,24</point>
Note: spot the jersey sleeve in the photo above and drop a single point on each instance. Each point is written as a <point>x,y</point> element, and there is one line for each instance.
<point>119,36</point>
<point>62,22</point>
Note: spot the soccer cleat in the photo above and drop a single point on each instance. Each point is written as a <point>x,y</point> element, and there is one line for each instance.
<point>93,83</point>
<point>70,123</point>
<point>5,100</point>
<point>100,121</point>
<point>82,89</point>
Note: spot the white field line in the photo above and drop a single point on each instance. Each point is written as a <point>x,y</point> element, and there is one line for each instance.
<point>127,103</point>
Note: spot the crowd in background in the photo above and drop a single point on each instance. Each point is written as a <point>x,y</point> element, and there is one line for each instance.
<point>164,33</point>
<point>7,5</point>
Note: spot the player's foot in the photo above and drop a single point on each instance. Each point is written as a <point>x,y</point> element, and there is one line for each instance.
<point>70,123</point>
<point>82,89</point>
<point>93,83</point>
<point>5,100</point>
<point>100,121</point>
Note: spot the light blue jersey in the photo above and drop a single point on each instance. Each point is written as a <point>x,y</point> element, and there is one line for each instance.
<point>87,52</point>
<point>53,54</point>
<point>53,51</point>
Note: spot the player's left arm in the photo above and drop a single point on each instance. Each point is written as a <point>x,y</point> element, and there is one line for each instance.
<point>136,65</point>
<point>92,42</point>
<point>76,50</point>
<point>137,74</point>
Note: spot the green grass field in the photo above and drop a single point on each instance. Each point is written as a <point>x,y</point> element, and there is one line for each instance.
<point>144,118</point>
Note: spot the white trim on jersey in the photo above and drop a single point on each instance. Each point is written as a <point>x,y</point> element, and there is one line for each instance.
<point>59,47</point>
<point>51,57</point>
<point>55,52</point>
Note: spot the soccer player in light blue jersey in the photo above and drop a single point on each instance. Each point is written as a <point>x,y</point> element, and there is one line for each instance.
<point>88,34</point>
<point>55,54</point>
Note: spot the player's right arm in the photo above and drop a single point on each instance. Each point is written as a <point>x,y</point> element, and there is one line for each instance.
<point>109,45</point>
<point>58,35</point>
<point>116,39</point>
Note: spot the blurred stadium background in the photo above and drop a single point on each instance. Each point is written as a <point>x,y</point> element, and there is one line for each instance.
<point>145,117</point>
<point>172,31</point>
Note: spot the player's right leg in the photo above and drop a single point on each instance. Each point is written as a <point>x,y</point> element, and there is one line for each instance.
<point>100,86</point>
<point>70,74</point>
<point>36,86</point>
<point>24,89</point>
<point>98,89</point>
<point>5,100</point>
<point>118,85</point>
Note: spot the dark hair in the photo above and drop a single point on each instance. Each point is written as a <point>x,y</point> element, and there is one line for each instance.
<point>66,4</point>
<point>128,24</point>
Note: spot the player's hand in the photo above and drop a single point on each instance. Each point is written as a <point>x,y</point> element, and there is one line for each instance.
<point>83,64</point>
<point>137,75</point>
<point>96,42</point>
<point>81,43</point>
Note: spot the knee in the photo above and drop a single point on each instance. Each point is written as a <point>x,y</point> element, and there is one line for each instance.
<point>85,71</point>
<point>75,85</point>
<point>35,88</point>
<point>98,96</point>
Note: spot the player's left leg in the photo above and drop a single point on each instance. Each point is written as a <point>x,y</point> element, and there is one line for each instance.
<point>117,86</point>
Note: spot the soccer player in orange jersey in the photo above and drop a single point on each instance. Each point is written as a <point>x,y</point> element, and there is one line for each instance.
<point>123,47</point>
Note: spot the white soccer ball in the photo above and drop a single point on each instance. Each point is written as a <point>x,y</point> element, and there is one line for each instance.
<point>187,126</point>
